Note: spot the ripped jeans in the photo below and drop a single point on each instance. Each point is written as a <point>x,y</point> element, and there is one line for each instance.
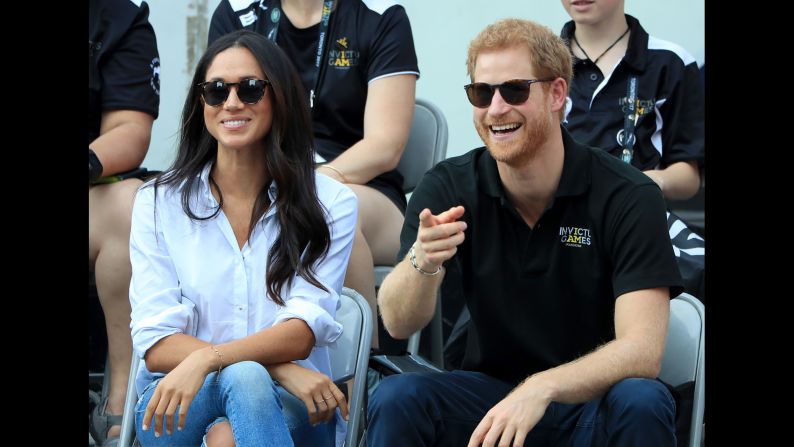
<point>260,412</point>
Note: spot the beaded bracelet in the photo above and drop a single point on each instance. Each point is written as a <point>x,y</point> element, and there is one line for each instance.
<point>416,266</point>
<point>220,358</point>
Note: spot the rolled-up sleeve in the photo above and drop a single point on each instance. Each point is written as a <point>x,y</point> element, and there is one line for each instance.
<point>311,304</point>
<point>158,308</point>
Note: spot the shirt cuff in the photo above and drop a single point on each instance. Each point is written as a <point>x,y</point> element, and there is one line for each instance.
<point>148,330</point>
<point>326,329</point>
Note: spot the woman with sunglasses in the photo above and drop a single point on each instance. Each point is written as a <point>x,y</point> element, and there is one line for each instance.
<point>358,66</point>
<point>238,255</point>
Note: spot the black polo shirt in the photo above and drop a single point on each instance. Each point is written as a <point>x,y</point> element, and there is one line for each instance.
<point>123,63</point>
<point>366,40</point>
<point>542,297</point>
<point>669,130</point>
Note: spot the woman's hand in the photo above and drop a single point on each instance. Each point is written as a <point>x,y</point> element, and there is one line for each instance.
<point>317,391</point>
<point>177,389</point>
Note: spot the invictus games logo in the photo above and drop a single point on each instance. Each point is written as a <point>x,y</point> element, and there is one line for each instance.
<point>326,12</point>
<point>574,236</point>
<point>641,108</point>
<point>341,57</point>
<point>155,79</point>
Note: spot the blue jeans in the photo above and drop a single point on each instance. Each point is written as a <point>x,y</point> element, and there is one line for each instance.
<point>260,412</point>
<point>443,409</point>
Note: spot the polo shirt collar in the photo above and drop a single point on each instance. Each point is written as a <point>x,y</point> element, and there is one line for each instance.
<point>575,177</point>
<point>574,180</point>
<point>488,178</point>
<point>636,54</point>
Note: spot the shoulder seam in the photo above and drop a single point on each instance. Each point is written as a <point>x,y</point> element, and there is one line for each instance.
<point>239,5</point>
<point>654,43</point>
<point>379,6</point>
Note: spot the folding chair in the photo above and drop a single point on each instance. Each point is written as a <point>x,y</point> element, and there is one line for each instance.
<point>426,146</point>
<point>349,358</point>
<point>684,356</point>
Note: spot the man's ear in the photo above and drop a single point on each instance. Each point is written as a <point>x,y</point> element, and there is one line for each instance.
<point>558,92</point>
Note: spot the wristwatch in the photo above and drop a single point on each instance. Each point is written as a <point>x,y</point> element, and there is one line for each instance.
<point>94,166</point>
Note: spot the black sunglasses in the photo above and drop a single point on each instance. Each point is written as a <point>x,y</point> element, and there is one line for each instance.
<point>514,92</point>
<point>250,91</point>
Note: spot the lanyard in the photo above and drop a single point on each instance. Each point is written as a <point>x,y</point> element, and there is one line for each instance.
<point>631,114</point>
<point>328,6</point>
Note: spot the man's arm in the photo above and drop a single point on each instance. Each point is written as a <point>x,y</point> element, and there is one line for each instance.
<point>123,141</point>
<point>682,136</point>
<point>407,297</point>
<point>679,181</point>
<point>641,319</point>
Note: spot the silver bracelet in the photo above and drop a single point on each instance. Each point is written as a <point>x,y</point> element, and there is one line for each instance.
<point>416,266</point>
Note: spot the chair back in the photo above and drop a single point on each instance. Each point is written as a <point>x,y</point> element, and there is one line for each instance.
<point>684,355</point>
<point>350,357</point>
<point>426,145</point>
<point>128,418</point>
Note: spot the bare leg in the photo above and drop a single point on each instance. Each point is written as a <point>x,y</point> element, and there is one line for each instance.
<point>109,216</point>
<point>377,241</point>
<point>220,435</point>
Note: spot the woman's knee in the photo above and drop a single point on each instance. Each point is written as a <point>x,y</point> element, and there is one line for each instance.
<point>247,373</point>
<point>376,213</point>
<point>249,380</point>
<point>110,205</point>
<point>220,435</point>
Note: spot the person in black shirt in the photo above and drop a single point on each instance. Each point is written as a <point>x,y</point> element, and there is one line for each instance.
<point>358,65</point>
<point>612,52</point>
<point>562,256</point>
<point>123,101</point>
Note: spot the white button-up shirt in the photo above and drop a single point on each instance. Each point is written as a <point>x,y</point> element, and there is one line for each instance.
<point>191,276</point>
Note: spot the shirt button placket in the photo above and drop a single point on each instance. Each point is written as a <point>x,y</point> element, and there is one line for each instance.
<point>243,296</point>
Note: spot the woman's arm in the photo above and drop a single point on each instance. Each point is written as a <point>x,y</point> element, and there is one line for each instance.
<point>283,342</point>
<point>387,121</point>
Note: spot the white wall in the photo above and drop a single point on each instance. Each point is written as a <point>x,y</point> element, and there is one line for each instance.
<point>442,31</point>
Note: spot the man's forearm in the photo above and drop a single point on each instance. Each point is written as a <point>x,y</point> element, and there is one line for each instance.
<point>123,141</point>
<point>407,299</point>
<point>590,376</point>
<point>679,181</point>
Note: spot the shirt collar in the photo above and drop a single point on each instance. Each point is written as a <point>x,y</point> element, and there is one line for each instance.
<point>636,55</point>
<point>206,192</point>
<point>575,177</point>
<point>574,180</point>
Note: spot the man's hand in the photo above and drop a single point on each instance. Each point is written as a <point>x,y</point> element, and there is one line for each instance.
<point>511,419</point>
<point>438,237</point>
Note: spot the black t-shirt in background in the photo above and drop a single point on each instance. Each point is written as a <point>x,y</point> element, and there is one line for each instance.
<point>123,62</point>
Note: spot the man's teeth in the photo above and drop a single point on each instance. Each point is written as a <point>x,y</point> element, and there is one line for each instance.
<point>504,127</point>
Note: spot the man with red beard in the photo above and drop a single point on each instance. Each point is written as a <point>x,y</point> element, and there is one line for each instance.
<point>562,254</point>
